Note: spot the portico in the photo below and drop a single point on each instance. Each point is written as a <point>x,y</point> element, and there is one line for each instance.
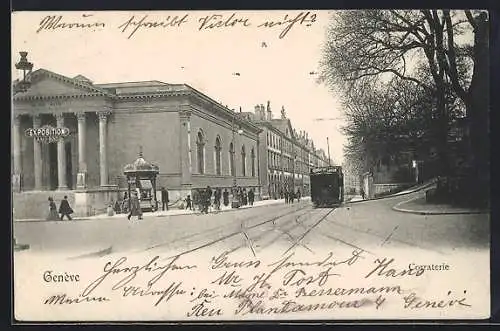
<point>62,165</point>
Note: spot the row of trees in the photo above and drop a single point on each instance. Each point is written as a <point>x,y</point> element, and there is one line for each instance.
<point>405,76</point>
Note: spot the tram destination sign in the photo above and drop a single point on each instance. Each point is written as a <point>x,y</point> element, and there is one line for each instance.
<point>327,169</point>
<point>47,134</point>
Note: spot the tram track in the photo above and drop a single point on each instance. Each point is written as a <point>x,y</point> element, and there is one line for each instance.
<point>204,233</point>
<point>235,233</point>
<point>284,232</point>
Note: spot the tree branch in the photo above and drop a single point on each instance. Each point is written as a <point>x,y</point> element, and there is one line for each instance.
<point>471,19</point>
<point>452,69</point>
<point>389,70</point>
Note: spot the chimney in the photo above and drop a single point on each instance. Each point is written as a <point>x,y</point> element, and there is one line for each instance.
<point>257,110</point>
<point>283,113</point>
<point>258,113</point>
<point>269,112</point>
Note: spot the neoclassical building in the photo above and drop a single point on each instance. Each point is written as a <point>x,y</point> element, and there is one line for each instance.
<point>194,141</point>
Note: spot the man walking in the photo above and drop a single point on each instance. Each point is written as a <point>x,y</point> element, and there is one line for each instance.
<point>207,199</point>
<point>135,206</point>
<point>164,199</point>
<point>225,196</point>
<point>251,196</point>
<point>65,209</point>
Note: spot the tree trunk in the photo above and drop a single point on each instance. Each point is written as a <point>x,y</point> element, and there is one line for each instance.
<point>478,108</point>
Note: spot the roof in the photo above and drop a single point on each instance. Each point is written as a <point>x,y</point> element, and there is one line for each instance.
<point>141,166</point>
<point>82,78</point>
<point>79,82</point>
<point>126,90</point>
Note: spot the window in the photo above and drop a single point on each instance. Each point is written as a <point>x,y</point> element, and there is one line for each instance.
<point>231,159</point>
<point>200,151</point>
<point>252,155</point>
<point>243,161</point>
<point>218,149</point>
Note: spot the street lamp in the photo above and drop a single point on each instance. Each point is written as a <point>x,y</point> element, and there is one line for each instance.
<point>26,67</point>
<point>235,203</point>
<point>22,86</point>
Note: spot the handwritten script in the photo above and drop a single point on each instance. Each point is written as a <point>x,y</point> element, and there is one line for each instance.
<point>226,286</point>
<point>199,22</point>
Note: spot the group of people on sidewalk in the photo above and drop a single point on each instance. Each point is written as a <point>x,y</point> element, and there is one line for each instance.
<point>203,198</point>
<point>64,210</point>
<point>290,196</point>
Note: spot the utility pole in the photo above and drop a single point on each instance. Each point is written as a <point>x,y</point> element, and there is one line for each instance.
<point>328,145</point>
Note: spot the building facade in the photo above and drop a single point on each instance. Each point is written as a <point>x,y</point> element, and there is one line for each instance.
<point>195,141</point>
<point>286,157</point>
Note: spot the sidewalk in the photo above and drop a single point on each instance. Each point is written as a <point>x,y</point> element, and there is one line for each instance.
<point>418,205</point>
<point>171,212</point>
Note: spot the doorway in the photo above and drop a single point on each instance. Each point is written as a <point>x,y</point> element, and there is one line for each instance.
<point>52,166</point>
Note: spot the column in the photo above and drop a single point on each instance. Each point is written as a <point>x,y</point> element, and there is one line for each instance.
<point>37,155</point>
<point>81,182</point>
<point>103,147</point>
<point>184,141</point>
<point>61,157</point>
<point>16,141</point>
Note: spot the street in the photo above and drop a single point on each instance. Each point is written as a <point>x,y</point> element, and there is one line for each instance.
<point>272,228</point>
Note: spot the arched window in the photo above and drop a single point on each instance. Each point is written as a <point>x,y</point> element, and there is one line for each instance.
<point>252,155</point>
<point>231,159</point>
<point>218,149</point>
<point>243,161</point>
<point>200,152</point>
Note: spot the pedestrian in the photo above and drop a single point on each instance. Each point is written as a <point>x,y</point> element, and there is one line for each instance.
<point>125,204</point>
<point>53,215</point>
<point>117,207</point>
<point>225,197</point>
<point>110,210</point>
<point>207,199</point>
<point>245,197</point>
<point>135,206</point>
<point>189,205</point>
<point>164,199</point>
<point>251,196</point>
<point>65,209</point>
<point>298,195</point>
<point>217,196</point>
<point>240,195</point>
<point>286,196</point>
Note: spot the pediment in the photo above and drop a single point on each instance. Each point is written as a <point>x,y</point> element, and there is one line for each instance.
<point>45,83</point>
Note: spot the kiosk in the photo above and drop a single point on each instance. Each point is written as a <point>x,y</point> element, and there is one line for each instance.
<point>141,177</point>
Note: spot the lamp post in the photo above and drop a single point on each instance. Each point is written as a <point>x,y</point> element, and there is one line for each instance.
<point>26,67</point>
<point>235,203</point>
<point>22,86</point>
<point>328,145</point>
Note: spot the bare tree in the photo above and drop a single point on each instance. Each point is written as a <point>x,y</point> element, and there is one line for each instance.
<point>374,46</point>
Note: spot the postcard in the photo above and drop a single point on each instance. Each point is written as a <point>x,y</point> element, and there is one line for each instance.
<point>250,165</point>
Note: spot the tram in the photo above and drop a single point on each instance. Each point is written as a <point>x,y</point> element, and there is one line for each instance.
<point>327,186</point>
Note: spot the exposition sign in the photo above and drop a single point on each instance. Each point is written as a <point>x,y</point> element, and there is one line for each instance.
<point>47,133</point>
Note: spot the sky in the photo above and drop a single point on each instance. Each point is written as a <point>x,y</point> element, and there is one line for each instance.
<point>270,68</point>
